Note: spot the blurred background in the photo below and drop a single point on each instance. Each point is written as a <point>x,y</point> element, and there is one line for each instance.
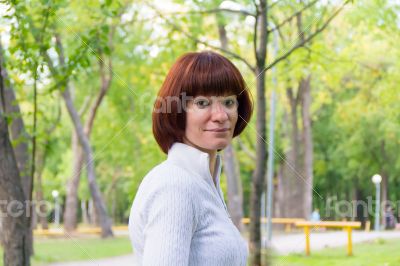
<point>78,83</point>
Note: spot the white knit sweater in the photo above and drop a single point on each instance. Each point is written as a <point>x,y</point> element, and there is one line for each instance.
<point>179,216</point>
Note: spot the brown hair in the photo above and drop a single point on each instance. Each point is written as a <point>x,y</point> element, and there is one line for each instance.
<point>197,73</point>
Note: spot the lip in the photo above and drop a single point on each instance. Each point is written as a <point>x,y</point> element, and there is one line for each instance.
<point>218,129</point>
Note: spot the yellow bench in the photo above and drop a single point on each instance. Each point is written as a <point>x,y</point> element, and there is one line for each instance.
<point>48,232</point>
<point>348,226</point>
<point>88,230</point>
<point>120,228</point>
<point>79,230</point>
<point>288,222</point>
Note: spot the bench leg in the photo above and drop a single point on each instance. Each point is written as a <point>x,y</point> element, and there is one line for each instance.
<point>307,233</point>
<point>349,242</point>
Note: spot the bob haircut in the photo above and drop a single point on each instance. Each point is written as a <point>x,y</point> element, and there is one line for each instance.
<point>197,73</point>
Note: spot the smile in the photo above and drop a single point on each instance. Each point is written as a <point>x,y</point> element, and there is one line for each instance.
<point>218,129</point>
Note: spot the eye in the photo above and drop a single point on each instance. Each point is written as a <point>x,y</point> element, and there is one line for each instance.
<point>202,103</point>
<point>229,102</point>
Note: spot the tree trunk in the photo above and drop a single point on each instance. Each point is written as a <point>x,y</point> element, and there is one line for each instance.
<point>308,145</point>
<point>361,211</point>
<point>85,218</point>
<point>71,207</point>
<point>297,177</point>
<point>278,195</point>
<point>40,199</point>
<point>20,137</point>
<point>93,218</point>
<point>235,192</point>
<point>258,175</point>
<point>40,165</point>
<point>307,160</point>
<point>101,211</point>
<point>112,192</point>
<point>291,186</point>
<point>234,184</point>
<point>384,185</point>
<point>257,185</point>
<point>71,203</point>
<point>385,176</point>
<point>39,188</point>
<point>34,216</point>
<point>70,214</point>
<point>279,207</point>
<point>100,207</point>
<point>17,128</point>
<point>293,166</point>
<point>14,217</point>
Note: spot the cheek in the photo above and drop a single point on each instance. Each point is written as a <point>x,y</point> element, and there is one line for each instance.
<point>196,119</point>
<point>234,118</point>
<point>193,123</point>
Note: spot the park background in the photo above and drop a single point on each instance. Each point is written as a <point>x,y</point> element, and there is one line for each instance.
<point>79,79</point>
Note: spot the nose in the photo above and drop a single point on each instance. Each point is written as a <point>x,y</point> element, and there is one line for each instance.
<point>219,113</point>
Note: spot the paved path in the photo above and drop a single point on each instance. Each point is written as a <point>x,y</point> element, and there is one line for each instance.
<point>282,244</point>
<point>295,243</point>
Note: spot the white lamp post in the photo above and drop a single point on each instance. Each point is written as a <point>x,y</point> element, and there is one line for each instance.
<point>56,208</point>
<point>377,181</point>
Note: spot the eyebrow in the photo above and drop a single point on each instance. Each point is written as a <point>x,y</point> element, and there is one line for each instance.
<point>204,96</point>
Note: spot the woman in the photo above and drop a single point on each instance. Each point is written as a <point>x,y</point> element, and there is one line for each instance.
<point>179,216</point>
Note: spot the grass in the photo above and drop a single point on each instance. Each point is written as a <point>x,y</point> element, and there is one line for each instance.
<point>62,250</point>
<point>372,253</point>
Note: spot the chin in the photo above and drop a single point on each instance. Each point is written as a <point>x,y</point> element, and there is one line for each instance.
<point>221,144</point>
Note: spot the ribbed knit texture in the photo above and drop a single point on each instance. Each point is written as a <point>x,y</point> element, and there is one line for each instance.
<point>179,217</point>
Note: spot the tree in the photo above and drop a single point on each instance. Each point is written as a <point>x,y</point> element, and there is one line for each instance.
<point>101,211</point>
<point>61,73</point>
<point>14,217</point>
<point>106,73</point>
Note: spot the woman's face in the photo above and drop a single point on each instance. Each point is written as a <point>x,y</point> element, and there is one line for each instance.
<point>210,121</point>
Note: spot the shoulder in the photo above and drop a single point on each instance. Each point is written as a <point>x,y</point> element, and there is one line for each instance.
<point>167,175</point>
<point>168,192</point>
<point>167,189</point>
<point>167,180</point>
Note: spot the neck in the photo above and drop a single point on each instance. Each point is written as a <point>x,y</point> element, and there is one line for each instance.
<point>213,159</point>
<point>212,155</point>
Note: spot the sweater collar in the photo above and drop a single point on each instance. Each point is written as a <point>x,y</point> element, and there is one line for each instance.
<point>194,160</point>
